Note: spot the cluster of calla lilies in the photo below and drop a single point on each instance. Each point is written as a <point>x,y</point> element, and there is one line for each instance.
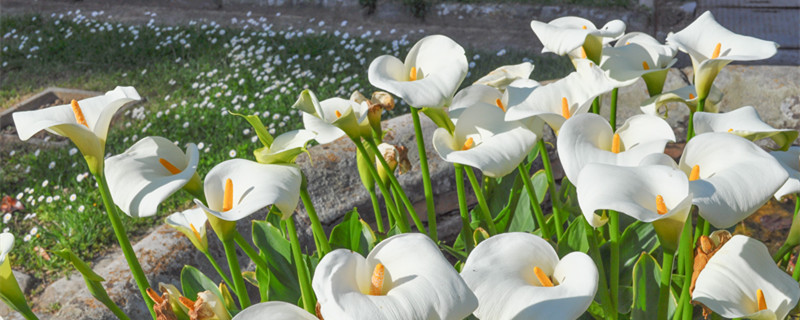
<point>622,201</point>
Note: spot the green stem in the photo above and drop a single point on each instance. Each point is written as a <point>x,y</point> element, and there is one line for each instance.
<point>486,215</point>
<point>401,216</point>
<point>426,175</point>
<point>594,252</point>
<point>686,250</point>
<point>664,290</point>
<point>319,234</point>
<point>395,183</point>
<point>690,130</point>
<point>250,251</point>
<point>537,209</point>
<point>554,199</point>
<point>376,208</point>
<point>466,230</point>
<point>796,272</point>
<point>787,246</point>
<point>613,231</point>
<point>612,117</point>
<point>699,228</point>
<point>596,105</point>
<point>219,270</point>
<point>124,243</point>
<point>236,273</point>
<point>306,292</point>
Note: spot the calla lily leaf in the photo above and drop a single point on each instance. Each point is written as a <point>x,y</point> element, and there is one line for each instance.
<point>258,126</point>
<point>276,250</point>
<point>193,281</point>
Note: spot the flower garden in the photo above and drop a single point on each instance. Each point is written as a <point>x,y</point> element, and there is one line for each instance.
<point>628,233</point>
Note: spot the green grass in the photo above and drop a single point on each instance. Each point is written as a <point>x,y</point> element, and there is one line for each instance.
<point>187,75</point>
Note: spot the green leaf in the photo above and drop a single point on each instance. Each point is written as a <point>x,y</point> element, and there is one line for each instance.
<point>276,250</point>
<point>258,126</point>
<point>574,238</point>
<point>524,220</point>
<point>638,237</point>
<point>193,281</point>
<point>646,284</point>
<point>93,281</point>
<point>349,234</point>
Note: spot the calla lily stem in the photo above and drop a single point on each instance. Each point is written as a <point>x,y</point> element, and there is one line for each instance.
<point>219,270</point>
<point>426,175</point>
<point>554,199</point>
<point>401,217</point>
<point>319,233</point>
<point>690,126</point>
<point>250,251</point>
<point>664,290</point>
<point>594,252</point>
<point>612,117</point>
<point>466,230</point>
<point>537,209</point>
<point>613,243</point>
<point>306,292</point>
<point>486,215</point>
<point>684,309</point>
<point>124,243</point>
<point>376,208</point>
<point>236,273</point>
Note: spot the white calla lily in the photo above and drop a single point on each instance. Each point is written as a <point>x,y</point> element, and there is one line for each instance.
<point>686,95</point>
<point>6,244</point>
<point>730,282</point>
<point>484,140</point>
<point>587,138</point>
<point>556,102</point>
<point>286,147</point>
<point>637,55</point>
<point>474,94</point>
<point>743,122</point>
<point>654,193</point>
<point>192,223</point>
<point>85,122</point>
<point>735,177</point>
<point>790,161</point>
<point>274,310</point>
<point>569,35</point>
<point>428,78</point>
<point>254,186</point>
<point>404,277</point>
<point>332,118</point>
<point>501,77</point>
<point>146,174</point>
<point>500,271</point>
<point>712,47</point>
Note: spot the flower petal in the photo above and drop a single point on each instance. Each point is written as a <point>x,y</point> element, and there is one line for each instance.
<point>286,147</point>
<point>6,244</point>
<point>501,77</point>
<point>184,221</point>
<point>138,182</point>
<point>469,96</point>
<point>274,310</point>
<point>790,161</point>
<point>745,123</point>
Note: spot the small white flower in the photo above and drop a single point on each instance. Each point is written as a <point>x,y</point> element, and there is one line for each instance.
<point>34,231</point>
<point>232,153</point>
<point>45,183</point>
<point>6,218</point>
<point>26,238</point>
<point>81,208</point>
<point>73,197</point>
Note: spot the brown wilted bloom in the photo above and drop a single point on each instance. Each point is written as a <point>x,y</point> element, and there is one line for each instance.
<point>318,310</point>
<point>382,99</point>
<point>705,248</point>
<point>207,307</point>
<point>162,307</point>
<point>402,158</point>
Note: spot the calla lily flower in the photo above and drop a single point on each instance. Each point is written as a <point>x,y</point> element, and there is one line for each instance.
<point>653,193</point>
<point>404,277</point>
<point>743,122</point>
<point>150,171</point>
<point>332,118</point>
<point>432,72</point>
<point>478,93</point>
<point>207,307</point>
<point>712,47</point>
<point>286,147</point>
<point>519,276</point>
<point>587,138</point>
<point>484,140</point>
<point>501,77</point>
<point>686,95</point>
<point>237,188</point>
<point>6,244</point>
<point>556,102</point>
<point>192,223</point>
<point>84,122</point>
<point>637,55</point>
<point>790,161</point>
<point>742,281</point>
<point>274,310</point>
<point>731,177</point>
<point>10,293</point>
<point>577,36</point>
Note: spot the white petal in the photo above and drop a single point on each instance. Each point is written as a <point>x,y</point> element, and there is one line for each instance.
<point>736,177</point>
<point>566,34</point>
<point>641,129</point>
<point>184,220</point>
<point>500,272</point>
<point>274,310</point>
<point>469,96</point>
<point>729,281</point>
<point>291,140</point>
<point>701,37</point>
<point>627,62</point>
<point>418,284</point>
<point>745,123</point>
<point>686,95</point>
<point>138,182</point>
<point>501,77</point>
<point>255,186</point>
<point>6,244</point>
<point>790,161</point>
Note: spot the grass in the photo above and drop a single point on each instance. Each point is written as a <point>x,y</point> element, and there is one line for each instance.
<point>188,75</point>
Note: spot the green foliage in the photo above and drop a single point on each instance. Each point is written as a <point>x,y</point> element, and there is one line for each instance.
<point>194,281</point>
<point>280,280</point>
<point>93,281</point>
<point>646,284</point>
<point>353,234</point>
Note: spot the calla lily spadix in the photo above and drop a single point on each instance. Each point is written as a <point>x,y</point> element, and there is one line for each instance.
<point>637,55</point>
<point>556,102</point>
<point>146,174</point>
<point>587,138</point>
<point>712,47</point>
<point>743,122</point>
<point>577,36</point>
<point>685,95</point>
<point>519,276</point>
<point>85,122</point>
<point>501,77</point>
<point>484,140</point>
<point>286,147</point>
<point>652,193</point>
<point>237,188</point>
<point>404,277</point>
<point>428,78</point>
<point>274,310</point>
<point>192,223</point>
<point>790,161</point>
<point>742,281</point>
<point>332,118</point>
<point>731,177</point>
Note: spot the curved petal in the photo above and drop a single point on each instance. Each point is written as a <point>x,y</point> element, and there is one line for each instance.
<point>441,67</point>
<point>500,272</point>
<point>6,244</point>
<point>189,221</point>
<point>274,310</point>
<point>736,177</point>
<point>419,283</point>
<point>255,186</point>
<point>636,59</point>
<point>469,96</point>
<point>137,180</point>
<point>743,122</point>
<point>641,129</point>
<point>501,77</point>
<point>730,279</point>
<point>686,95</point>
<point>286,147</point>
<point>790,161</point>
